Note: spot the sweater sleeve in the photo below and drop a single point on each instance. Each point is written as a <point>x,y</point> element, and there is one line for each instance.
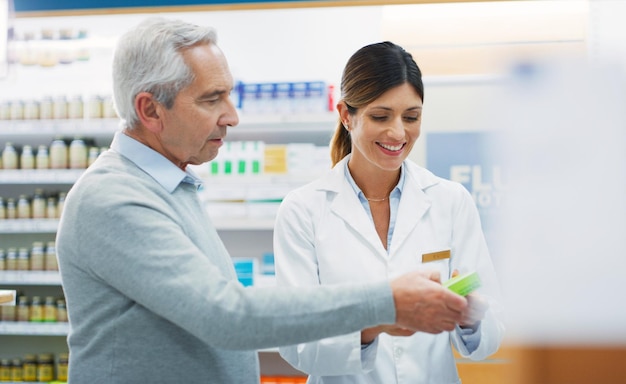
<point>125,244</point>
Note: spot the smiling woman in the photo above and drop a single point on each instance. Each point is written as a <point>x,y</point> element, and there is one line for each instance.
<point>371,217</point>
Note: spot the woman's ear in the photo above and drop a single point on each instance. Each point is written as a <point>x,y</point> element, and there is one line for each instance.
<point>344,115</point>
<point>148,111</point>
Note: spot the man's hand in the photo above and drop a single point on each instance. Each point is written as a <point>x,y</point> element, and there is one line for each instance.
<point>422,304</point>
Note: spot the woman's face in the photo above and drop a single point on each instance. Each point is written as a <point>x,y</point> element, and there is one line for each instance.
<point>384,131</point>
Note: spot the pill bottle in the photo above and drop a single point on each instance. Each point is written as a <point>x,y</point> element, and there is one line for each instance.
<point>31,110</point>
<point>23,207</point>
<point>78,154</point>
<point>23,259</point>
<point>11,210</point>
<point>92,155</point>
<point>50,310</point>
<point>60,204</point>
<point>46,108</point>
<point>36,309</point>
<point>5,370</point>
<point>62,366</point>
<point>58,154</point>
<point>22,309</point>
<point>29,368</point>
<point>11,263</point>
<point>17,370</point>
<point>59,108</point>
<point>51,263</point>
<point>51,208</point>
<point>94,107</point>
<point>42,160</point>
<point>61,311</point>
<point>37,256</point>
<point>38,205</point>
<point>9,156</point>
<point>17,110</point>
<point>45,367</point>
<point>75,107</point>
<point>27,158</point>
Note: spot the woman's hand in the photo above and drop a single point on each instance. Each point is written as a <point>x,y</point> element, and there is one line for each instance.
<point>476,308</point>
<point>369,334</point>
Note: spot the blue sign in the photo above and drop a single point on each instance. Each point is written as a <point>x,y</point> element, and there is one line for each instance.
<point>470,158</point>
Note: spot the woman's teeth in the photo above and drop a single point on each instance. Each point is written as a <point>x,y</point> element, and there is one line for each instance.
<point>391,147</point>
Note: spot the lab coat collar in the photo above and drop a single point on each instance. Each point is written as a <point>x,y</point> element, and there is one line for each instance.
<point>414,203</point>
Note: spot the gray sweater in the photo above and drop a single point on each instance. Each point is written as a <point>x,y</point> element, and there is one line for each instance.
<point>153,297</point>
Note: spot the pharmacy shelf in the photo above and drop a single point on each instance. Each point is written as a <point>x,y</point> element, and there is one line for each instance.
<point>290,124</point>
<point>30,278</point>
<point>19,226</point>
<point>19,328</point>
<point>40,176</point>
<point>21,130</point>
<point>314,128</point>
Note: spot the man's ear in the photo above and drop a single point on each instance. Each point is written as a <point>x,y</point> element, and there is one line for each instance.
<point>148,111</point>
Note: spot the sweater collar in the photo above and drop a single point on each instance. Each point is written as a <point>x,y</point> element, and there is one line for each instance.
<point>153,163</point>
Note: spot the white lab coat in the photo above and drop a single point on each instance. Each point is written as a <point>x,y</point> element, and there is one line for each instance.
<point>324,236</point>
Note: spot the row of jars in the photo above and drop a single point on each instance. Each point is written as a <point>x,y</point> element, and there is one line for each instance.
<point>34,368</point>
<point>76,155</point>
<point>58,108</point>
<point>37,258</point>
<point>37,206</point>
<point>34,309</point>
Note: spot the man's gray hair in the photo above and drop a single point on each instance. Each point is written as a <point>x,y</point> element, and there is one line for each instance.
<point>148,59</point>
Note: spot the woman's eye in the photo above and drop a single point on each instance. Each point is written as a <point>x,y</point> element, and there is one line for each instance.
<point>411,118</point>
<point>379,118</point>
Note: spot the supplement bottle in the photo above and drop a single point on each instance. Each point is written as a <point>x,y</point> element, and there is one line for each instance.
<point>27,158</point>
<point>36,309</point>
<point>29,368</point>
<point>45,367</point>
<point>42,161</point>
<point>22,309</point>
<point>9,156</point>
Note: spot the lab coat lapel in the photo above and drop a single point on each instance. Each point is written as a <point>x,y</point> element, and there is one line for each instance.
<point>348,208</point>
<point>414,203</point>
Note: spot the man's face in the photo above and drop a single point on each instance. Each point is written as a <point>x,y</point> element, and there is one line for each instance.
<point>194,128</point>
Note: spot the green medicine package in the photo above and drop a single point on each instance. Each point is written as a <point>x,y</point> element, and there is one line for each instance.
<point>463,284</point>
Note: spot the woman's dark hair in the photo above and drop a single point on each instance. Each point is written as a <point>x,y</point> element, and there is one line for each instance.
<point>370,72</point>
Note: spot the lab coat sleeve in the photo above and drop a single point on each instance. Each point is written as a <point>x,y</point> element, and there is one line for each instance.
<point>296,265</point>
<point>470,253</point>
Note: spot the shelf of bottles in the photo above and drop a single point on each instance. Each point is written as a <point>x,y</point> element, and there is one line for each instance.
<point>30,277</point>
<point>33,329</point>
